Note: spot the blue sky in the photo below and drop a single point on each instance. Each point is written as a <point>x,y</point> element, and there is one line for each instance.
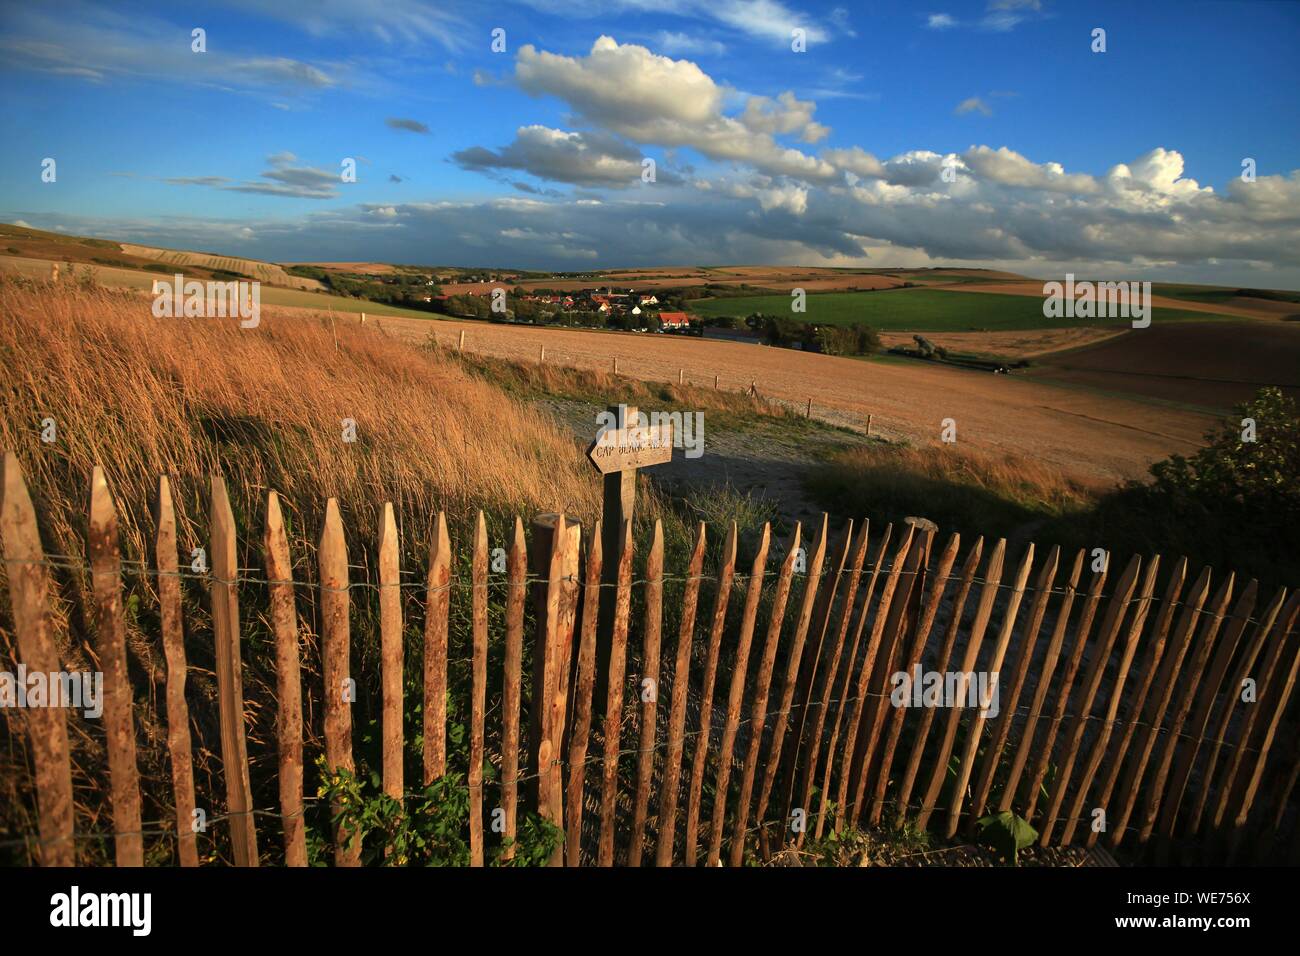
<point>1060,158</point>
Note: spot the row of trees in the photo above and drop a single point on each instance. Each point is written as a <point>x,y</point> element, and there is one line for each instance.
<point>854,339</point>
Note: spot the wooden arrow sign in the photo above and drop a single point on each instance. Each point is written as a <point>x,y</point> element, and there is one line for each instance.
<point>622,449</point>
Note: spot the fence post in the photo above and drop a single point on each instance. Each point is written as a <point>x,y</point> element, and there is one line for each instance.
<point>726,576</point>
<point>614,701</point>
<point>478,699</point>
<point>460,345</point>
<point>585,683</point>
<point>29,595</point>
<point>437,605</point>
<point>516,584</point>
<point>288,682</point>
<point>667,823</point>
<point>178,716</point>
<point>390,653</point>
<point>110,646</point>
<point>654,601</point>
<point>617,506</point>
<point>556,542</point>
<point>336,641</point>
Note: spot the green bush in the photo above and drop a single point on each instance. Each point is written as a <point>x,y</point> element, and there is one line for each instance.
<point>848,339</point>
<point>1235,504</point>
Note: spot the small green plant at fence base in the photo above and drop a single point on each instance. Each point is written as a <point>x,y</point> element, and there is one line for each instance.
<point>1007,833</point>
<point>432,829</point>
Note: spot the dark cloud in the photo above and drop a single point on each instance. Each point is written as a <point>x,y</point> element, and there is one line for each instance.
<point>414,126</point>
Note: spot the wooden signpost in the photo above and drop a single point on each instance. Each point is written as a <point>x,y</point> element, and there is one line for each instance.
<point>617,453</point>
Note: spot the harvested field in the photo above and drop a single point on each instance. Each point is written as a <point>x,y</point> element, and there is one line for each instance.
<point>1094,438</point>
<point>1210,364</point>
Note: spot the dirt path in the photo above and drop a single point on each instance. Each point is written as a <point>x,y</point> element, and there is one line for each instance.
<point>1092,437</point>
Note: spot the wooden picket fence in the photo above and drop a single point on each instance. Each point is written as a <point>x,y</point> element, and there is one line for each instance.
<point>1122,715</point>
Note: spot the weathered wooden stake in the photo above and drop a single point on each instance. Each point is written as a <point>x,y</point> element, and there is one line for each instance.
<point>47,727</point>
<point>110,645</point>
<point>336,645</point>
<point>585,683</point>
<point>516,586</point>
<point>437,605</point>
<point>173,636</point>
<point>677,710</point>
<point>726,576</point>
<point>614,700</point>
<point>391,657</point>
<point>478,691</point>
<point>288,683</point>
<point>648,684</point>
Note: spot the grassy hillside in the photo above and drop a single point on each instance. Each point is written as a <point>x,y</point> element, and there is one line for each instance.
<point>264,407</point>
<point>134,278</point>
<point>920,310</point>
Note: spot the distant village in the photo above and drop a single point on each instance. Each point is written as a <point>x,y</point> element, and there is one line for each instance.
<point>600,308</point>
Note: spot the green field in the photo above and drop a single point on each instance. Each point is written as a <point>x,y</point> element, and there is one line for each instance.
<point>921,310</point>
<point>1221,294</point>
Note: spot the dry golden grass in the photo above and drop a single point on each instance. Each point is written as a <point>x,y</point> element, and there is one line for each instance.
<point>189,397</point>
<point>962,488</point>
<point>265,407</point>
